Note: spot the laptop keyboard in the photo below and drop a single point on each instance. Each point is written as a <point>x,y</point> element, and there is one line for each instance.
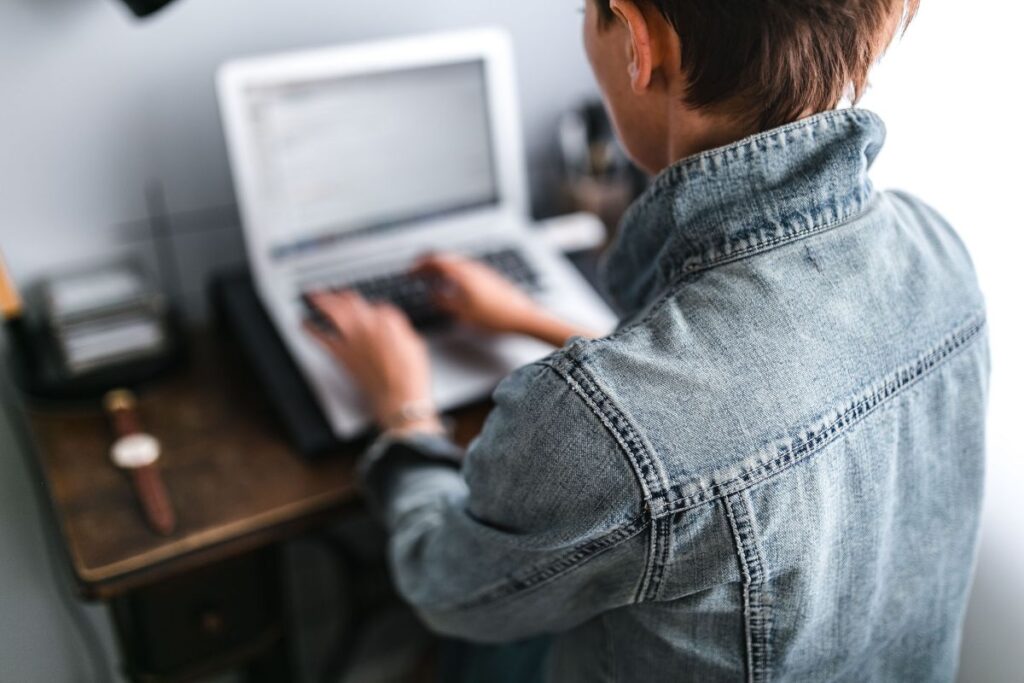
<point>414,294</point>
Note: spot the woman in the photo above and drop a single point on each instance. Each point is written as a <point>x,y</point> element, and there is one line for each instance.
<point>772,470</point>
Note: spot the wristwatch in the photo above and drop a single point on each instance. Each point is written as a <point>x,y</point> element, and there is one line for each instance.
<point>139,453</point>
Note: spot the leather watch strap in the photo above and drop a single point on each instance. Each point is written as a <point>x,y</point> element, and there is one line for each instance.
<point>139,455</point>
<point>153,497</point>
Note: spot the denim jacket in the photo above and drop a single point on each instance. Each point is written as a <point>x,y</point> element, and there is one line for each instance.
<point>771,471</point>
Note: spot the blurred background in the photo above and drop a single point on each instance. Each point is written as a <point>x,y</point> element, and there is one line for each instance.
<point>109,126</point>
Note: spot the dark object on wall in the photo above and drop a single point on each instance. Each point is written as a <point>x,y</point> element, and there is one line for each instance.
<point>600,179</point>
<point>143,8</point>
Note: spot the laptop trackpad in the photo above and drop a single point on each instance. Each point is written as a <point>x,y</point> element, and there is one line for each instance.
<point>468,365</point>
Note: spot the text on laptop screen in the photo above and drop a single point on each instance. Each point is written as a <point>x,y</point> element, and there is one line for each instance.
<point>369,152</point>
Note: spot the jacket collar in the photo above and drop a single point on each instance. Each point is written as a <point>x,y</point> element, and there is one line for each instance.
<point>730,202</point>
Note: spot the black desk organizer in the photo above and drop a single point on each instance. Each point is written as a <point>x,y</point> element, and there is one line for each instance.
<point>34,362</point>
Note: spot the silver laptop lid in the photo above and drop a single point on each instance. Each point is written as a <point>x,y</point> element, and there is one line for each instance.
<point>366,153</point>
<point>348,142</point>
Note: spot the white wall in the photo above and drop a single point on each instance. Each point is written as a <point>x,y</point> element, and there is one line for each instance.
<point>950,94</point>
<point>95,104</point>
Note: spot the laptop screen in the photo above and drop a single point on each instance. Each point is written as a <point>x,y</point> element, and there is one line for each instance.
<point>371,152</point>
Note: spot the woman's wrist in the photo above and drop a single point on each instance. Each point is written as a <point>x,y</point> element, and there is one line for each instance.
<point>549,329</point>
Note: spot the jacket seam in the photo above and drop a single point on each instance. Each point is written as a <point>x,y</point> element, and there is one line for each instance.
<point>549,571</point>
<point>645,578</point>
<point>756,608</point>
<point>645,466</point>
<point>814,440</point>
<point>661,529</point>
<point>627,436</point>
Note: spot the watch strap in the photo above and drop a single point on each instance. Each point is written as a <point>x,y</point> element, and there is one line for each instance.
<point>154,499</point>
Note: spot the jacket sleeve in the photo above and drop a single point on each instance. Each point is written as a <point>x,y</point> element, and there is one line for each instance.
<point>540,530</point>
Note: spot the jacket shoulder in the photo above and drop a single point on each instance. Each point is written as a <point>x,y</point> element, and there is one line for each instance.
<point>545,452</point>
<point>745,365</point>
<point>932,234</point>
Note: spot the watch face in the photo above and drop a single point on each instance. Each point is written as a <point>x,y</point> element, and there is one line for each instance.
<point>134,451</point>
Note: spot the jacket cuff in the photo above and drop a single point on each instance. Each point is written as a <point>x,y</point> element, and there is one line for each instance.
<point>429,446</point>
<point>403,472</point>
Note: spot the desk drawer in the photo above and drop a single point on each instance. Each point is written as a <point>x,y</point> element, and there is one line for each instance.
<point>201,622</point>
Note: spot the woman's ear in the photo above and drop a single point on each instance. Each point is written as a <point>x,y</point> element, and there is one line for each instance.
<point>642,58</point>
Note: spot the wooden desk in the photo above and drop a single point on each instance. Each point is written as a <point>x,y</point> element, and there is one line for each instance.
<point>236,486</point>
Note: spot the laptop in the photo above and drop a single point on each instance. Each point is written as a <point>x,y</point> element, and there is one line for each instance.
<point>350,163</point>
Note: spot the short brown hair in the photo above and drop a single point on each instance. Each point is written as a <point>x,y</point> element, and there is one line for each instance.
<point>766,62</point>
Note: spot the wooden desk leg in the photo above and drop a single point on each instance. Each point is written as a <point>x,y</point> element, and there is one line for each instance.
<point>277,664</point>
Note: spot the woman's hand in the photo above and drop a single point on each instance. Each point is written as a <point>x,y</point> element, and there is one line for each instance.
<point>385,355</point>
<point>476,294</point>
